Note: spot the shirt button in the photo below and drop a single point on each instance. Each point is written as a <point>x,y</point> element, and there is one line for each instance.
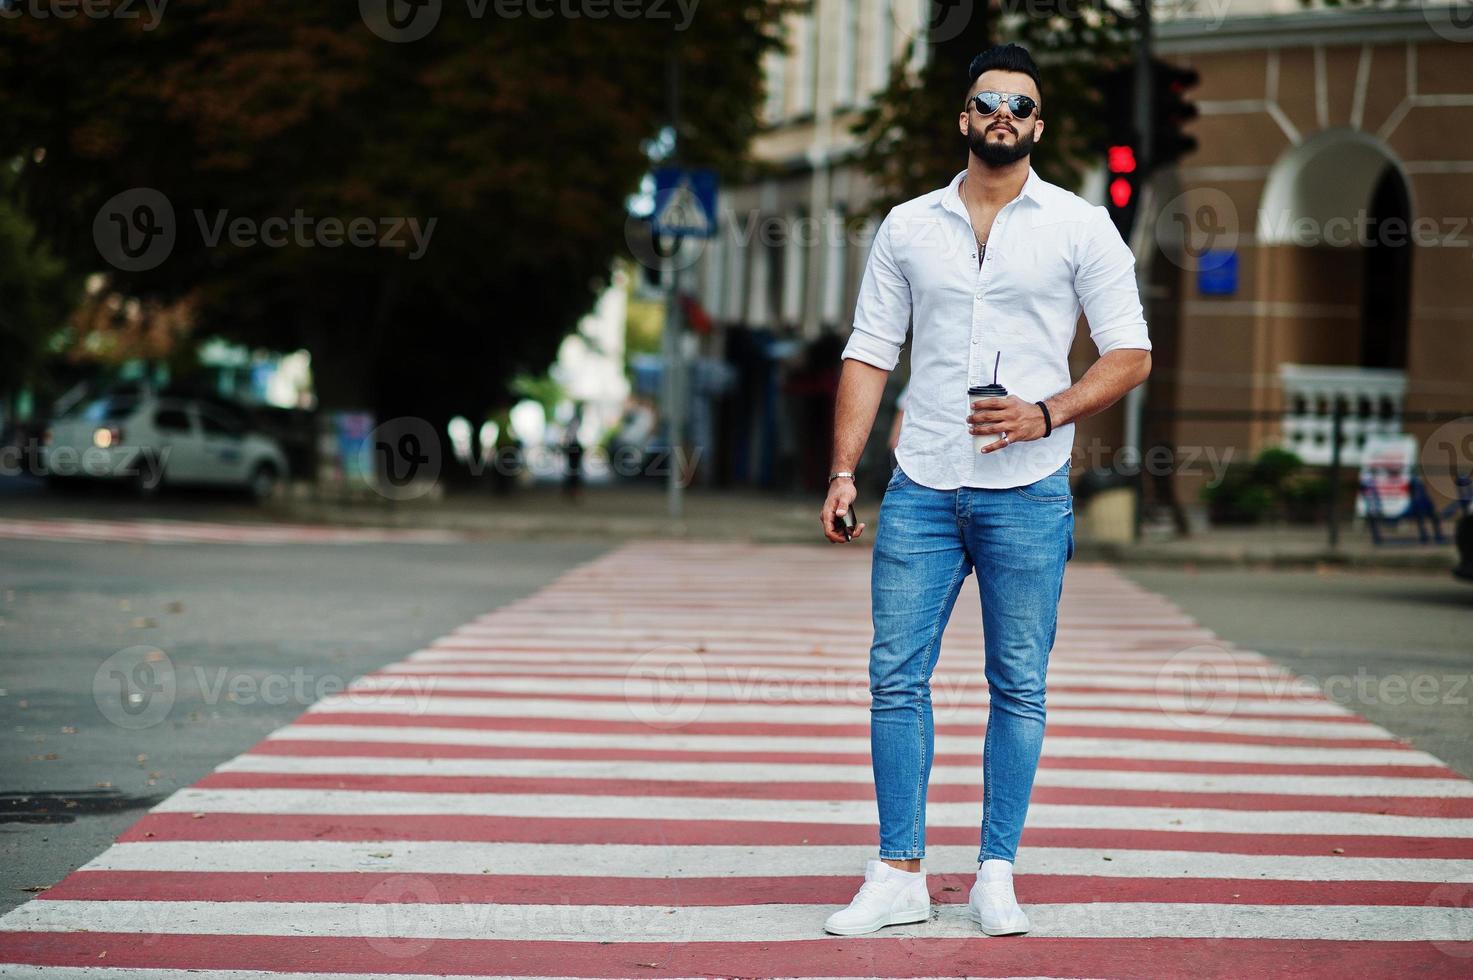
<point>979,295</point>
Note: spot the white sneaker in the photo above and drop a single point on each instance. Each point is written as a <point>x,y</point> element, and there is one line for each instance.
<point>992,904</point>
<point>888,897</point>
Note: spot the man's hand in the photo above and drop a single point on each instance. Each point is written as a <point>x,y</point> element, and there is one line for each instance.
<point>841,497</point>
<point>1022,421</point>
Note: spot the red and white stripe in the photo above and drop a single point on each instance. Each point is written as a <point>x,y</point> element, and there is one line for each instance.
<point>659,766</point>
<point>211,532</point>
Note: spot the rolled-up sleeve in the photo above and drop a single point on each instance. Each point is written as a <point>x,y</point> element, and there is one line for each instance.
<point>882,312</point>
<point>1104,280</point>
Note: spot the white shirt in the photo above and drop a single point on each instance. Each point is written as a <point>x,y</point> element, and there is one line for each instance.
<point>1049,254</point>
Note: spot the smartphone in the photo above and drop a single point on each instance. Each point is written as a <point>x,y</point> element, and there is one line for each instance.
<point>845,525</point>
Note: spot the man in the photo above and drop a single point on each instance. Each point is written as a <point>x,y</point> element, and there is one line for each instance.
<point>899,420</point>
<point>993,271</point>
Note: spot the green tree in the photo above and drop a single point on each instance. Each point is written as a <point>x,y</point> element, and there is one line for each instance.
<point>519,137</point>
<point>37,291</point>
<point>911,144</point>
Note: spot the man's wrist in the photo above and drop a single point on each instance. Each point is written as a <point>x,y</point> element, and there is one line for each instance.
<point>841,474</point>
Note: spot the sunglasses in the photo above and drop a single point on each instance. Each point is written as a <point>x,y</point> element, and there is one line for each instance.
<point>1021,106</point>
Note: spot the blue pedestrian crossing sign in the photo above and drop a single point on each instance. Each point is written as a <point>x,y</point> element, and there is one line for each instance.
<point>685,202</point>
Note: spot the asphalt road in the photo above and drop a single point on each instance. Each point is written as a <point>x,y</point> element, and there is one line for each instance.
<point>252,633</point>
<point>1396,648</point>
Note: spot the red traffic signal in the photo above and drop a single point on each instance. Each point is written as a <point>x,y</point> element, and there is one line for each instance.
<point>1120,192</point>
<point>1120,159</point>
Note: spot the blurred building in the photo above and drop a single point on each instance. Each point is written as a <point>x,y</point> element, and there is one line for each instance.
<point>1335,153</point>
<point>1319,128</point>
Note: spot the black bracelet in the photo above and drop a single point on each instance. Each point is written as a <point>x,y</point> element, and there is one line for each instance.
<point>1048,423</point>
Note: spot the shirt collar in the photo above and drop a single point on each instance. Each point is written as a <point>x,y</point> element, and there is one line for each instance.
<point>951,198</point>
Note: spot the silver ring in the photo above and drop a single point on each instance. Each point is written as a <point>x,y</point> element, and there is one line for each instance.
<point>1004,437</point>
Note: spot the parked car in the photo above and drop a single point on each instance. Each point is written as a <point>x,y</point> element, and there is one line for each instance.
<point>148,439</point>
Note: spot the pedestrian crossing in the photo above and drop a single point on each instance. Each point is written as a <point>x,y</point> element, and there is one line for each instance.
<point>659,766</point>
<point>211,532</point>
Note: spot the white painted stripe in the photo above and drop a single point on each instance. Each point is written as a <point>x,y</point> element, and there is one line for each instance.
<point>1054,746</point>
<point>1122,675</point>
<point>760,686</point>
<point>729,923</point>
<point>691,708</point>
<point>822,653</point>
<point>857,812</point>
<point>763,773</point>
<point>738,860</point>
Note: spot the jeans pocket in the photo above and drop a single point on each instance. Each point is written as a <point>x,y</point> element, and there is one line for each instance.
<point>1052,488</point>
<point>898,479</point>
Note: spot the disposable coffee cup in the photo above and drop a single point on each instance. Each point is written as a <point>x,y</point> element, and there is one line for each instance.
<point>981,440</point>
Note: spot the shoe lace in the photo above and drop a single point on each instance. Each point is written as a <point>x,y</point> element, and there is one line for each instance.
<point>867,889</point>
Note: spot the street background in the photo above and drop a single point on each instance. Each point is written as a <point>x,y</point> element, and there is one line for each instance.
<point>415,418</point>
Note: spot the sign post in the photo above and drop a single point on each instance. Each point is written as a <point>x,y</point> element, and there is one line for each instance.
<point>685,207</point>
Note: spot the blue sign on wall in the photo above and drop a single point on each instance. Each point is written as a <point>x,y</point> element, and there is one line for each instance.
<point>685,202</point>
<point>1217,274</point>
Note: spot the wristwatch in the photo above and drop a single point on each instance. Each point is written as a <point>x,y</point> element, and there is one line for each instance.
<point>838,473</point>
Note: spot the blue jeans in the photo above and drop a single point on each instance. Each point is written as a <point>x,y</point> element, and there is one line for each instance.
<point>928,541</point>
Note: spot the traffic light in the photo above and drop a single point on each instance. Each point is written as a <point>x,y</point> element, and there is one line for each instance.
<point>1123,176</point>
<point>1118,144</point>
<point>1126,166</point>
<point>1171,111</point>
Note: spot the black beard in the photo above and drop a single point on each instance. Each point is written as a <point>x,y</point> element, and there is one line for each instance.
<point>1000,154</point>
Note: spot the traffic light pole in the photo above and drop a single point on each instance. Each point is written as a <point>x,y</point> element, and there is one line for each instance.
<point>670,341</point>
<point>1135,399</point>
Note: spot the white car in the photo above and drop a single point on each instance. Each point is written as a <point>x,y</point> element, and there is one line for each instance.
<point>149,439</point>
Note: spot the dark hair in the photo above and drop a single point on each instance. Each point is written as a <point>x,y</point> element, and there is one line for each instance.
<point>1004,57</point>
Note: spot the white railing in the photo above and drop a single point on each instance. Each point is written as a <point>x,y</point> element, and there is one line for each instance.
<point>1372,398</point>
